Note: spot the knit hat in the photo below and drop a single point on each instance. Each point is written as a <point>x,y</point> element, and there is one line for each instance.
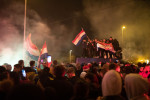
<point>111,83</point>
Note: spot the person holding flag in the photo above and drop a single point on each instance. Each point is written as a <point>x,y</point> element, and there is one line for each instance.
<point>84,48</point>
<point>44,52</point>
<point>78,40</point>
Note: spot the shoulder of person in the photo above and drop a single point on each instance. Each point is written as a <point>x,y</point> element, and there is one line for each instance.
<point>100,98</point>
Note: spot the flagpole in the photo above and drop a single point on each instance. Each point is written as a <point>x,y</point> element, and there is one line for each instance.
<point>88,38</point>
<point>24,29</point>
<point>86,34</point>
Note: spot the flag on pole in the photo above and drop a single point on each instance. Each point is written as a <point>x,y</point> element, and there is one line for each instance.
<point>79,38</point>
<point>44,52</point>
<point>31,49</point>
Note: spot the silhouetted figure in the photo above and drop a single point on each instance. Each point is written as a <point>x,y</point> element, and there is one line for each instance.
<point>81,90</point>
<point>64,89</point>
<point>84,48</point>
<point>26,92</point>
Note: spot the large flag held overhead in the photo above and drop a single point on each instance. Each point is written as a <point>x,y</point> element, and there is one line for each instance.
<point>79,38</point>
<point>31,49</point>
<point>100,45</point>
<point>106,46</point>
<point>109,47</point>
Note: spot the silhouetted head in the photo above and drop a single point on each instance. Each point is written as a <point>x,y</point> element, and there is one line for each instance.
<point>21,63</point>
<point>32,63</point>
<point>59,71</point>
<point>17,68</point>
<point>26,92</point>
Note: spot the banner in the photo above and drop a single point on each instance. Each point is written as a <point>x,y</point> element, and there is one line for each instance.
<point>106,46</point>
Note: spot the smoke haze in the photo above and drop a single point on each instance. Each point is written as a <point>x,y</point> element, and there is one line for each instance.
<point>108,16</point>
<point>12,25</point>
<point>99,18</point>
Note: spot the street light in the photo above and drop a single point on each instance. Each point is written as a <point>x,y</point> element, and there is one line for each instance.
<point>70,55</point>
<point>123,27</point>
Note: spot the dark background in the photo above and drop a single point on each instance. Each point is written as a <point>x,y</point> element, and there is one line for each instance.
<point>63,20</point>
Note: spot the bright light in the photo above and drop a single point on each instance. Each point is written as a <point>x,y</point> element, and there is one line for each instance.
<point>49,59</point>
<point>147,61</point>
<point>123,27</point>
<point>10,56</point>
<point>143,60</point>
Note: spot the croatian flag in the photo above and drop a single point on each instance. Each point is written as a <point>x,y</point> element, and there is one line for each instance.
<point>44,52</point>
<point>109,47</point>
<point>31,49</point>
<point>100,45</point>
<point>79,38</point>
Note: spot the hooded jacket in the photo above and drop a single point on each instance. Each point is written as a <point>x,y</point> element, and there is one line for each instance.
<point>136,86</point>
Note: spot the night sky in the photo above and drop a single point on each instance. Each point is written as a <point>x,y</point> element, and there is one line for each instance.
<point>99,18</point>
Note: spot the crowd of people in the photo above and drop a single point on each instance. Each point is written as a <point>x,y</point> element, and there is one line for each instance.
<point>90,49</point>
<point>71,81</point>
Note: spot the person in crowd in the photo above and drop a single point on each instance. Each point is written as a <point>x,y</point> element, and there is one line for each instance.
<point>110,40</point>
<point>84,48</point>
<point>112,66</point>
<point>26,92</point>
<point>17,68</point>
<point>82,75</point>
<point>59,72</point>
<point>46,70</point>
<point>53,65</point>
<point>107,51</point>
<point>50,93</point>
<point>92,80</point>
<point>32,66</point>
<point>3,73</point>
<point>136,87</point>
<point>64,88</point>
<point>110,52</point>
<point>86,68</point>
<point>92,48</point>
<point>103,50</point>
<point>73,81</point>
<point>71,75</point>
<point>21,63</point>
<point>100,50</point>
<point>102,72</point>
<point>112,86</point>
<point>94,70</point>
<point>117,48</point>
<point>14,76</point>
<point>106,67</point>
<point>95,48</point>
<point>81,90</point>
<point>89,49</point>
<point>79,70</point>
<point>31,72</point>
<point>5,87</point>
<point>8,67</point>
<point>139,64</point>
<point>44,77</point>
